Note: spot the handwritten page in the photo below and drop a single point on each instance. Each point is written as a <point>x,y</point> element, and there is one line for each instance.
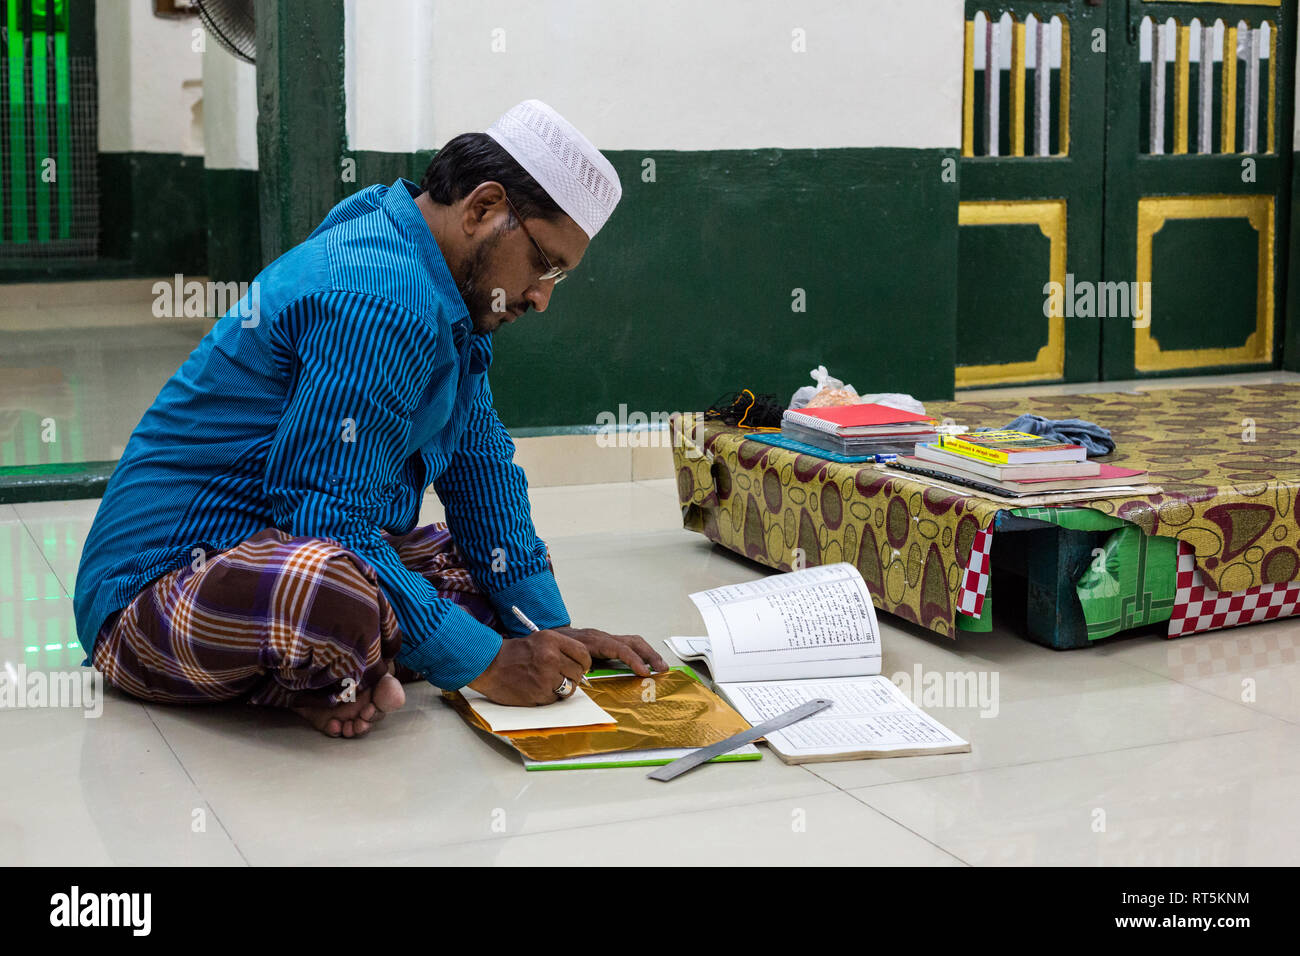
<point>871,716</point>
<point>577,711</point>
<point>816,622</point>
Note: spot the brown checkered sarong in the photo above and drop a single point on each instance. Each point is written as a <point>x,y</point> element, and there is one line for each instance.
<point>277,620</point>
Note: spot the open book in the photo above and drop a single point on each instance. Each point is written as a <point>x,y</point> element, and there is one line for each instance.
<point>782,640</point>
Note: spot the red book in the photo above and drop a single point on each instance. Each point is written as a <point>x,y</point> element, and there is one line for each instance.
<point>860,419</point>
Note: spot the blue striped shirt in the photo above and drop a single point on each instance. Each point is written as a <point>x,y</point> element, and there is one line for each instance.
<point>326,412</point>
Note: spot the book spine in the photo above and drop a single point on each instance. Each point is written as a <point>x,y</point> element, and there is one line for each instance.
<point>810,421</point>
<point>957,446</point>
<point>943,458</point>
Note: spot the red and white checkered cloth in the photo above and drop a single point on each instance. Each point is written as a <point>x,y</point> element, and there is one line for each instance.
<point>1198,607</point>
<point>975,578</point>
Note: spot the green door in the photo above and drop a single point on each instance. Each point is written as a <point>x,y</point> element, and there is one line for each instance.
<point>1199,116</point>
<point>1032,168</point>
<point>1123,212</point>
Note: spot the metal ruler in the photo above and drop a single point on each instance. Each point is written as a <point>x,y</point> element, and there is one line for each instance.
<point>692,760</point>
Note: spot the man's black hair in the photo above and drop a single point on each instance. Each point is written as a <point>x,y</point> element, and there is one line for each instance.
<point>473,158</point>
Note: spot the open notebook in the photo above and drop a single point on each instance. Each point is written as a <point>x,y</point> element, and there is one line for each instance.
<point>789,638</point>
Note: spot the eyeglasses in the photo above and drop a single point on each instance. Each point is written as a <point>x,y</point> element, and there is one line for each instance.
<point>552,272</point>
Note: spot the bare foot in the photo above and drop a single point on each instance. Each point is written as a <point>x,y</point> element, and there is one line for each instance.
<point>355,718</point>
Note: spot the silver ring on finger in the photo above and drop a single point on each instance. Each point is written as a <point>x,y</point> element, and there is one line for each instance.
<point>566,689</point>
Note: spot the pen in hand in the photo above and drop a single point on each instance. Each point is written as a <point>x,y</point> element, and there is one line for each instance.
<point>523,619</point>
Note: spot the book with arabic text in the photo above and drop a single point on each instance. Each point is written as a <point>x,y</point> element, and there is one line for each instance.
<point>786,639</point>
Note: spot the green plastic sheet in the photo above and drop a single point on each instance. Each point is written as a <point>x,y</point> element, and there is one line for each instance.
<point>1129,583</point>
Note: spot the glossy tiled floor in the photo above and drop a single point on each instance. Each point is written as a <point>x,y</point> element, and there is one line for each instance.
<point>1136,751</point>
<point>63,348</point>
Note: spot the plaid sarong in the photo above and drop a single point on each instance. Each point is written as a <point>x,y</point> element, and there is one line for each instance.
<point>277,620</point>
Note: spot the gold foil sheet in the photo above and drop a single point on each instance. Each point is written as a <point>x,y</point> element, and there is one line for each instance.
<point>677,711</point>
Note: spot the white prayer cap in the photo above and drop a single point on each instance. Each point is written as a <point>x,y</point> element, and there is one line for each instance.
<point>571,170</point>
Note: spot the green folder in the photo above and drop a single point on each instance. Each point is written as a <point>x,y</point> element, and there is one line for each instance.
<point>637,758</point>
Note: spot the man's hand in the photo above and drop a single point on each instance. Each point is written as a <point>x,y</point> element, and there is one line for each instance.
<point>631,649</point>
<point>527,670</point>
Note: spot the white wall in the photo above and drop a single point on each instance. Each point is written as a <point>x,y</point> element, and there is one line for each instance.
<point>150,80</point>
<point>389,76</point>
<point>229,110</point>
<point>672,74</point>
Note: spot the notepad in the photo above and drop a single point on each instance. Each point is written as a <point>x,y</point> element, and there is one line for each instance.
<point>576,711</point>
<point>786,639</point>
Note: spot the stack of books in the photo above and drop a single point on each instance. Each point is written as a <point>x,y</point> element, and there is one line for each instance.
<point>856,430</point>
<point>1016,464</point>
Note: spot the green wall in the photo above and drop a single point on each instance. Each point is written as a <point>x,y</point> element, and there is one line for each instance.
<point>163,213</point>
<point>153,212</point>
<point>234,247</point>
<point>1291,334</point>
<point>687,293</point>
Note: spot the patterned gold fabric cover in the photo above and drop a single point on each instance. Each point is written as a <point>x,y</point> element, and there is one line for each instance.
<point>1227,460</point>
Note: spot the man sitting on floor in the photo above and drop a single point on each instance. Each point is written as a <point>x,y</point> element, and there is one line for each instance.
<point>258,539</point>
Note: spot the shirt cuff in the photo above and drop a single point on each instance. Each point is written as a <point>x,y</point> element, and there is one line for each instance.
<point>538,596</point>
<point>476,646</point>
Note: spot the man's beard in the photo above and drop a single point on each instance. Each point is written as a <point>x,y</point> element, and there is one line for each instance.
<point>478,299</point>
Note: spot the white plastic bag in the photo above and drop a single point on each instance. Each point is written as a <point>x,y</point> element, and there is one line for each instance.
<point>828,391</point>
<point>895,400</point>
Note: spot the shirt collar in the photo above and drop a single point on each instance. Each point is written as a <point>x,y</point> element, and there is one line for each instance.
<point>400,206</point>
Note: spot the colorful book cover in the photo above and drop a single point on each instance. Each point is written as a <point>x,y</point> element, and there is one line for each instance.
<point>1002,447</point>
